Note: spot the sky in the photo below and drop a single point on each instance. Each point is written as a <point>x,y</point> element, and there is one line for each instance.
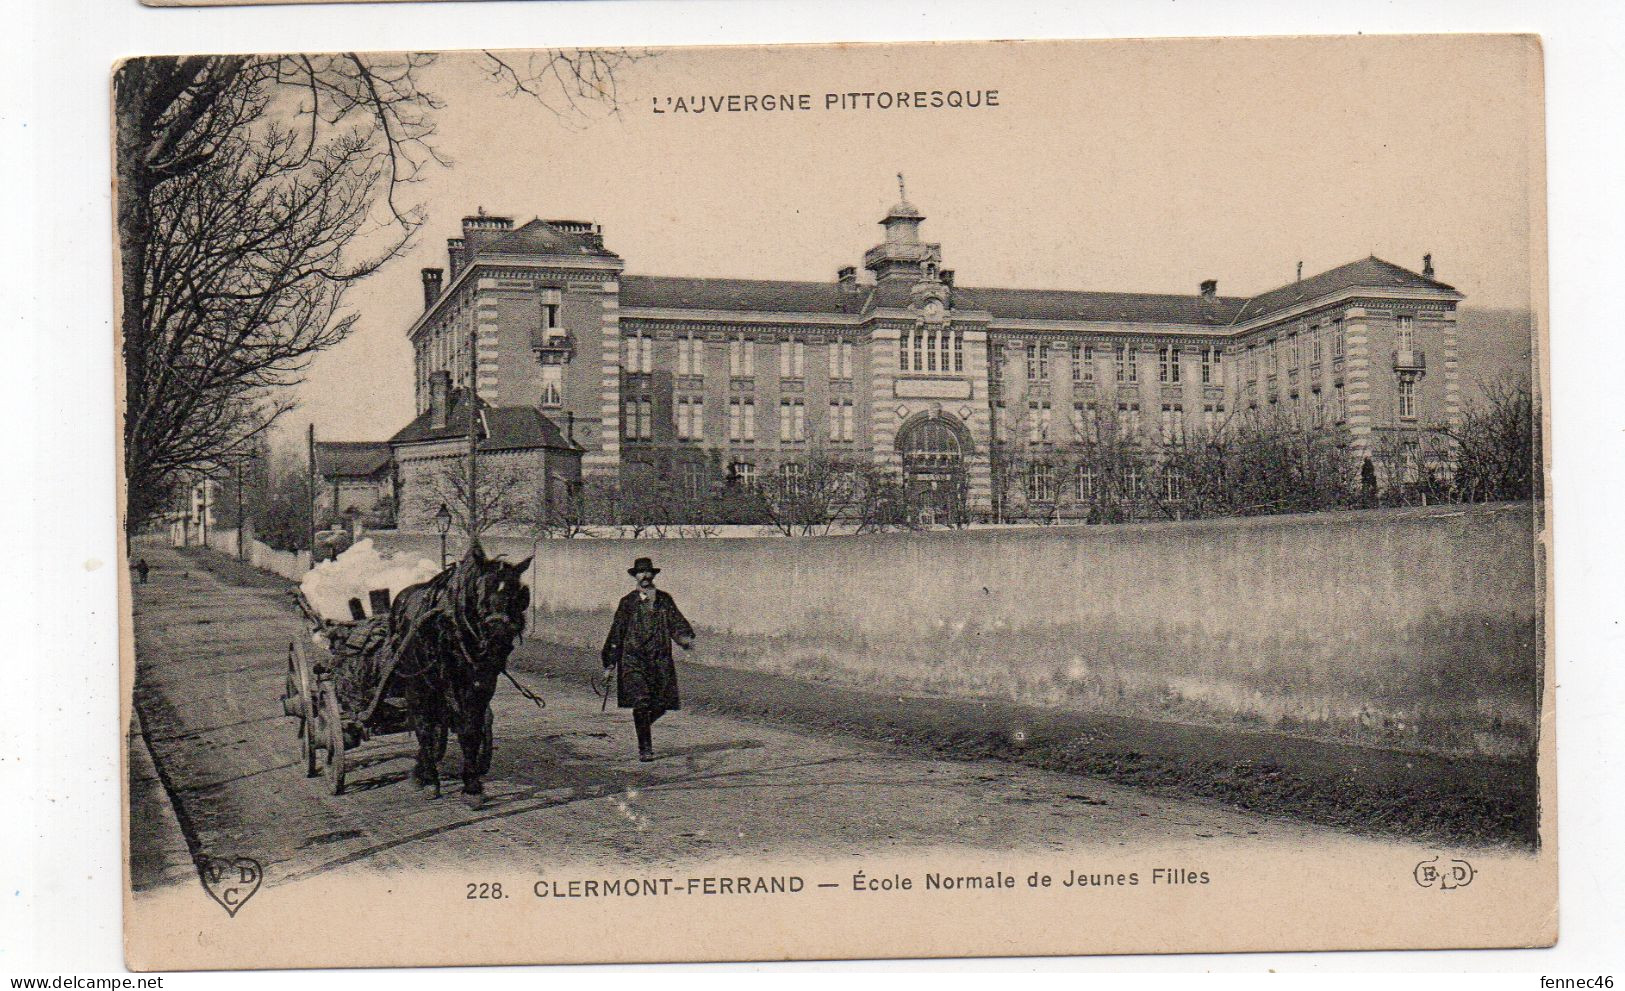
<point>1128,166</point>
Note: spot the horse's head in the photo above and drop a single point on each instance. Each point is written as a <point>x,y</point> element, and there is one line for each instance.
<point>498,599</point>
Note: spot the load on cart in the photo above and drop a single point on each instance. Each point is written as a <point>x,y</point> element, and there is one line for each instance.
<point>425,659</point>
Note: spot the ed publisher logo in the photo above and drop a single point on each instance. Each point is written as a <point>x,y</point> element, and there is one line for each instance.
<point>231,882</point>
<point>1444,874</point>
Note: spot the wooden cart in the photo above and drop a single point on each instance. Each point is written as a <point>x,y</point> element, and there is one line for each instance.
<point>327,729</point>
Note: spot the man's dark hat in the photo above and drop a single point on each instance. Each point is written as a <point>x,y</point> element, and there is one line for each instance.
<point>642,564</point>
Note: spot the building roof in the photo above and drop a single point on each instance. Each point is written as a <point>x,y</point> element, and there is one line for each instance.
<point>1128,307</point>
<point>351,458</point>
<point>541,237</point>
<point>1367,273</point>
<point>767,296</point>
<point>502,428</point>
<point>761,295</point>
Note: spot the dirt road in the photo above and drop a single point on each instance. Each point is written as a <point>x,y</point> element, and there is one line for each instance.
<point>212,641</point>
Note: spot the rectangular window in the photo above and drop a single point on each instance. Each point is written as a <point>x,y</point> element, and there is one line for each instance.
<point>1337,403</point>
<point>1173,484</point>
<point>1337,337</point>
<point>640,354</point>
<point>639,419</point>
<point>1040,483</point>
<point>691,418</point>
<point>1128,421</point>
<point>792,480</point>
<point>1083,483</point>
<point>792,421</point>
<point>1131,483</point>
<point>744,473</point>
<point>834,422</point>
<point>1271,364</point>
<point>552,385</point>
<point>840,361</point>
<point>749,426</point>
<point>902,350</point>
<point>550,300</point>
<point>733,420</point>
<point>691,355</point>
<point>1173,423</point>
<point>1168,364</point>
<point>792,359</point>
<point>1210,362</point>
<point>1120,360</point>
<point>1083,422</point>
<point>1083,362</point>
<point>693,480</point>
<point>1407,398</point>
<point>1404,332</point>
<point>1032,363</point>
<point>1038,422</point>
<point>959,350</point>
<point>1314,337</point>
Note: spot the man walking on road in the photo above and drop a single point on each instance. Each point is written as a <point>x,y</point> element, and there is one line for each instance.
<point>647,622</point>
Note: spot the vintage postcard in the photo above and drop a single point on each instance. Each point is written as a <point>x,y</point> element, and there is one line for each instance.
<point>243,3</point>
<point>851,501</point>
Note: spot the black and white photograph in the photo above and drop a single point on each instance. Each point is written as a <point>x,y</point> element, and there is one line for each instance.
<point>898,500</point>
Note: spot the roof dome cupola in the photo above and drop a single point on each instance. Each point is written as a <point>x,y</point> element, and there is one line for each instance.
<point>902,253</point>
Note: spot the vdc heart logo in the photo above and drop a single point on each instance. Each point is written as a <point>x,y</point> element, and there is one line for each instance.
<point>231,882</point>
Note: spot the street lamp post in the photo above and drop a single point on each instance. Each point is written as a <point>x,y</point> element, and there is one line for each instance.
<point>442,519</point>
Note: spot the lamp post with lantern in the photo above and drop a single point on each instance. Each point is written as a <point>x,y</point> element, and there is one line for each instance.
<point>442,519</point>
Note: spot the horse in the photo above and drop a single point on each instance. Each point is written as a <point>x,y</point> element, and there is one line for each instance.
<point>451,637</point>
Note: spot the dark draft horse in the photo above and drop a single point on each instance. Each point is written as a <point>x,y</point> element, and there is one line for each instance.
<point>451,637</point>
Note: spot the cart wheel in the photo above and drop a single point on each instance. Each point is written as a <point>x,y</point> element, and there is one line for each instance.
<point>299,674</point>
<point>334,724</point>
<point>488,743</point>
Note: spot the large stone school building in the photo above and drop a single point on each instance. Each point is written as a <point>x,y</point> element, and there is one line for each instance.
<point>713,381</point>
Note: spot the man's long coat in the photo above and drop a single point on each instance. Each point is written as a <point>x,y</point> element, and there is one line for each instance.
<point>640,647</point>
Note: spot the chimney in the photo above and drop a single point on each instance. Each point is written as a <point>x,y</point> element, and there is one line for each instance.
<point>439,398</point>
<point>847,277</point>
<point>431,286</point>
<point>1210,288</point>
<point>1427,266</point>
<point>454,251</point>
<point>482,221</point>
<point>1300,270</point>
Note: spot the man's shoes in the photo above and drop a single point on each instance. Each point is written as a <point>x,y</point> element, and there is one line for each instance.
<point>646,754</point>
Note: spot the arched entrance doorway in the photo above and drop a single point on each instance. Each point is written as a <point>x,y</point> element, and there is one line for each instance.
<point>933,448</point>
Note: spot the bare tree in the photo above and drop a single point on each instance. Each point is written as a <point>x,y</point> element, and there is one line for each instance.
<point>1495,449</point>
<point>251,192</point>
<point>508,497</point>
